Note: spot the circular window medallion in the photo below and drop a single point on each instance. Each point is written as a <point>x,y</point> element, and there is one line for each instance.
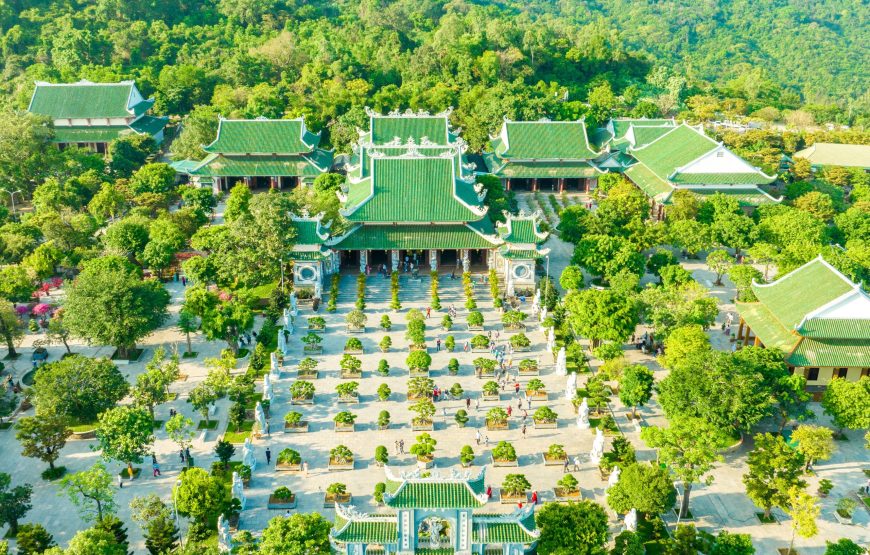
<point>521,271</point>
<point>307,273</point>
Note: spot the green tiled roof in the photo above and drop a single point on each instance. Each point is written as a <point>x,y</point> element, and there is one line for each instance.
<point>837,353</point>
<point>836,328</point>
<point>620,126</point>
<point>94,134</point>
<point>413,237</point>
<point>745,197</point>
<point>794,295</point>
<point>598,137</point>
<point>520,230</point>
<point>369,531</point>
<point>435,494</point>
<point>262,136</point>
<point>675,149</point>
<point>85,100</point>
<point>500,532</point>
<point>766,327</point>
<point>507,252</point>
<point>546,140</point>
<point>218,165</point>
<point>386,128</point>
<point>149,124</point>
<point>648,182</point>
<point>645,135</point>
<point>306,256</point>
<point>306,233</point>
<point>428,183</point>
<point>748,178</point>
<point>184,166</point>
<point>541,170</point>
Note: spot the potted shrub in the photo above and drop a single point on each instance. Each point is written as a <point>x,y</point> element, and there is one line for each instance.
<point>340,458</point>
<point>521,343</point>
<point>825,487</point>
<point>386,324</point>
<point>383,420</point>
<point>420,388</point>
<point>381,455</point>
<point>529,367</point>
<point>607,424</point>
<point>504,454</point>
<point>475,321</point>
<point>513,319</point>
<point>384,392</point>
<point>312,343</point>
<point>351,367</point>
<point>425,410</point>
<point>845,509</point>
<point>453,366</point>
<point>545,419</point>
<point>416,334</point>
<point>450,343</point>
<point>380,489</point>
<point>316,323</point>
<point>288,459</point>
<point>555,455</point>
<point>293,422</point>
<point>461,418</point>
<point>282,499</point>
<point>385,344</point>
<point>480,344</point>
<point>383,367</point>
<point>567,488</point>
<point>484,367</point>
<point>536,389</point>
<point>446,322</point>
<point>356,321</point>
<point>418,362</point>
<point>302,393</point>
<point>308,369</point>
<point>424,449</point>
<point>466,456</point>
<point>456,391</point>
<point>514,489</point>
<point>490,391</point>
<point>344,421</point>
<point>394,291</point>
<point>353,346</point>
<point>621,454</point>
<point>348,392</point>
<point>496,419</point>
<point>336,493</point>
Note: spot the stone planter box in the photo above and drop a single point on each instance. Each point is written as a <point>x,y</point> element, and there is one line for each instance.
<point>565,495</point>
<point>530,372</point>
<point>480,349</point>
<point>344,427</point>
<point>300,429</point>
<point>546,425</point>
<point>351,399</point>
<point>312,349</point>
<point>841,519</point>
<point>302,401</point>
<point>87,434</point>
<point>350,329</point>
<point>288,467</point>
<point>522,349</point>
<point>475,328</point>
<point>553,462</point>
<point>382,428</point>
<point>499,427</point>
<point>513,499</point>
<point>423,427</point>
<point>498,463</point>
<point>276,504</point>
<point>333,466</point>
<point>418,397</point>
<point>305,302</point>
<point>412,348</point>
<point>537,395</point>
<point>350,375</point>
<point>307,375</point>
<point>330,500</point>
<point>424,464</point>
<point>419,373</point>
<point>496,397</point>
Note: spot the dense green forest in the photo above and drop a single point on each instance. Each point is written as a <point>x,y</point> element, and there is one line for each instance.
<point>488,59</point>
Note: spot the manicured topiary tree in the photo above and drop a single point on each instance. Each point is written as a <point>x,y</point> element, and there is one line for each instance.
<point>461,418</point>
<point>419,361</point>
<point>384,392</point>
<point>504,451</point>
<point>466,455</point>
<point>515,485</point>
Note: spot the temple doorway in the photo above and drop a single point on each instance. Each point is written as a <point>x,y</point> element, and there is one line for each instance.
<point>435,533</point>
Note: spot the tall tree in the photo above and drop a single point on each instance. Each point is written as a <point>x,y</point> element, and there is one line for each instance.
<point>125,434</point>
<point>11,328</point>
<point>601,315</point>
<point>572,529</point>
<point>42,437</point>
<point>803,510</point>
<point>14,502</point>
<point>645,487</point>
<point>199,495</point>
<point>91,491</point>
<point>635,386</point>
<point>78,387</point>
<point>815,443</point>
<point>774,469</point>
<point>848,403</point>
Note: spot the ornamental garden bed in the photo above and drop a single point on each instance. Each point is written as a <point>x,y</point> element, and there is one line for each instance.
<point>420,347</point>
<point>281,504</point>
<point>419,373</point>
<point>348,398</point>
<point>286,467</point>
<point>495,397</point>
<point>350,375</point>
<point>299,428</point>
<point>563,494</point>
<point>353,351</point>
<point>529,369</point>
<point>302,401</point>
<point>497,426</point>
<point>86,430</point>
<point>422,425</point>
<point>506,499</point>
<point>505,462</point>
<point>307,375</point>
<point>341,427</point>
<point>609,425</point>
<point>333,466</point>
<point>355,329</point>
<point>329,499</point>
<point>546,424</point>
<point>312,349</point>
<point>550,460</point>
<point>475,328</point>
<point>537,395</point>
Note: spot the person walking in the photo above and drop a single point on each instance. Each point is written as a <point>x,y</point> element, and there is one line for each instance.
<point>438,345</point>
<point>402,446</point>
<point>305,468</point>
<point>486,440</point>
<point>477,405</point>
<point>468,403</point>
<point>477,437</point>
<point>268,456</point>
<point>120,482</point>
<point>524,430</point>
<point>428,312</point>
<point>517,388</point>
<point>510,410</point>
<point>181,453</point>
<point>576,463</point>
<point>397,446</point>
<point>465,347</point>
<point>565,467</point>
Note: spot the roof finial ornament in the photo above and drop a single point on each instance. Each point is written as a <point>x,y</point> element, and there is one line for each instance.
<point>446,112</point>
<point>369,112</point>
<point>376,153</point>
<point>394,113</point>
<point>395,141</point>
<point>424,141</point>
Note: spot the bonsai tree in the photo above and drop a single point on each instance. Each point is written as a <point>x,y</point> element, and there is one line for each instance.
<point>348,389</point>
<point>380,489</point>
<point>386,324</point>
<point>383,367</point>
<point>568,484</point>
<point>545,415</point>
<point>825,487</point>
<point>414,314</point>
<point>344,418</point>
<point>528,365</point>
<point>341,455</point>
<point>282,494</point>
<point>336,489</point>
<point>597,392</point>
<point>420,387</point>
<point>302,390</point>
<point>535,386</point>
<point>846,506</point>
<point>224,450</point>
<point>424,447</point>
<point>353,344</point>
<point>456,390</point>
<point>350,364</point>
<point>293,418</point>
<point>381,455</point>
<point>466,455</point>
<point>356,319</point>
<point>504,451</point>
<point>490,388</point>
<point>475,319</point>
<point>513,318</point>
<point>384,419</point>
<point>419,361</point>
<point>635,386</point>
<point>496,416</point>
<point>480,341</point>
<point>520,341</point>
<point>484,365</point>
<point>416,333</point>
<point>385,343</point>
<point>384,392</point>
<point>621,454</point>
<point>312,340</point>
<point>308,365</point>
<point>453,366</point>
<point>446,322</point>
<point>461,418</point>
<point>425,410</point>
<point>316,322</point>
<point>515,485</point>
<point>449,343</point>
<point>289,456</point>
<point>557,452</point>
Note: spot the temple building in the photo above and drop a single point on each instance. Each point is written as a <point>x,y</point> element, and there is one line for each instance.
<point>818,317</point>
<point>543,155</point>
<point>262,153</point>
<point>435,514</point>
<point>684,157</point>
<point>92,115</point>
<point>621,134</point>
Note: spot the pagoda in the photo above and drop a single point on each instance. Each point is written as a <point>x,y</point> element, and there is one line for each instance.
<point>92,115</point>
<point>274,153</point>
<point>434,514</point>
<point>818,317</point>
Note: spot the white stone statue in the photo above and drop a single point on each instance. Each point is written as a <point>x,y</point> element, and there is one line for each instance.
<point>536,303</point>
<point>551,339</point>
<point>466,261</point>
<point>597,447</point>
<point>509,288</point>
<point>282,343</point>
<point>583,415</point>
<point>273,360</point>
<point>561,363</point>
<point>631,520</point>
<point>267,386</point>
<point>543,314</point>
<point>260,415</point>
<point>225,541</point>
<point>248,458</point>
<point>287,314</point>
<point>318,290</point>
<point>571,387</point>
<point>238,491</point>
<point>434,533</point>
<point>433,259</point>
<point>292,301</point>
<point>614,477</point>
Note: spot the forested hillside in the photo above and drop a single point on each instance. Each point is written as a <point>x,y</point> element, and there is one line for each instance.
<point>521,59</point>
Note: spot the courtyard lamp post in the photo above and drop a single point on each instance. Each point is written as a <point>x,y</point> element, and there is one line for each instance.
<point>175,504</point>
<point>12,198</point>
